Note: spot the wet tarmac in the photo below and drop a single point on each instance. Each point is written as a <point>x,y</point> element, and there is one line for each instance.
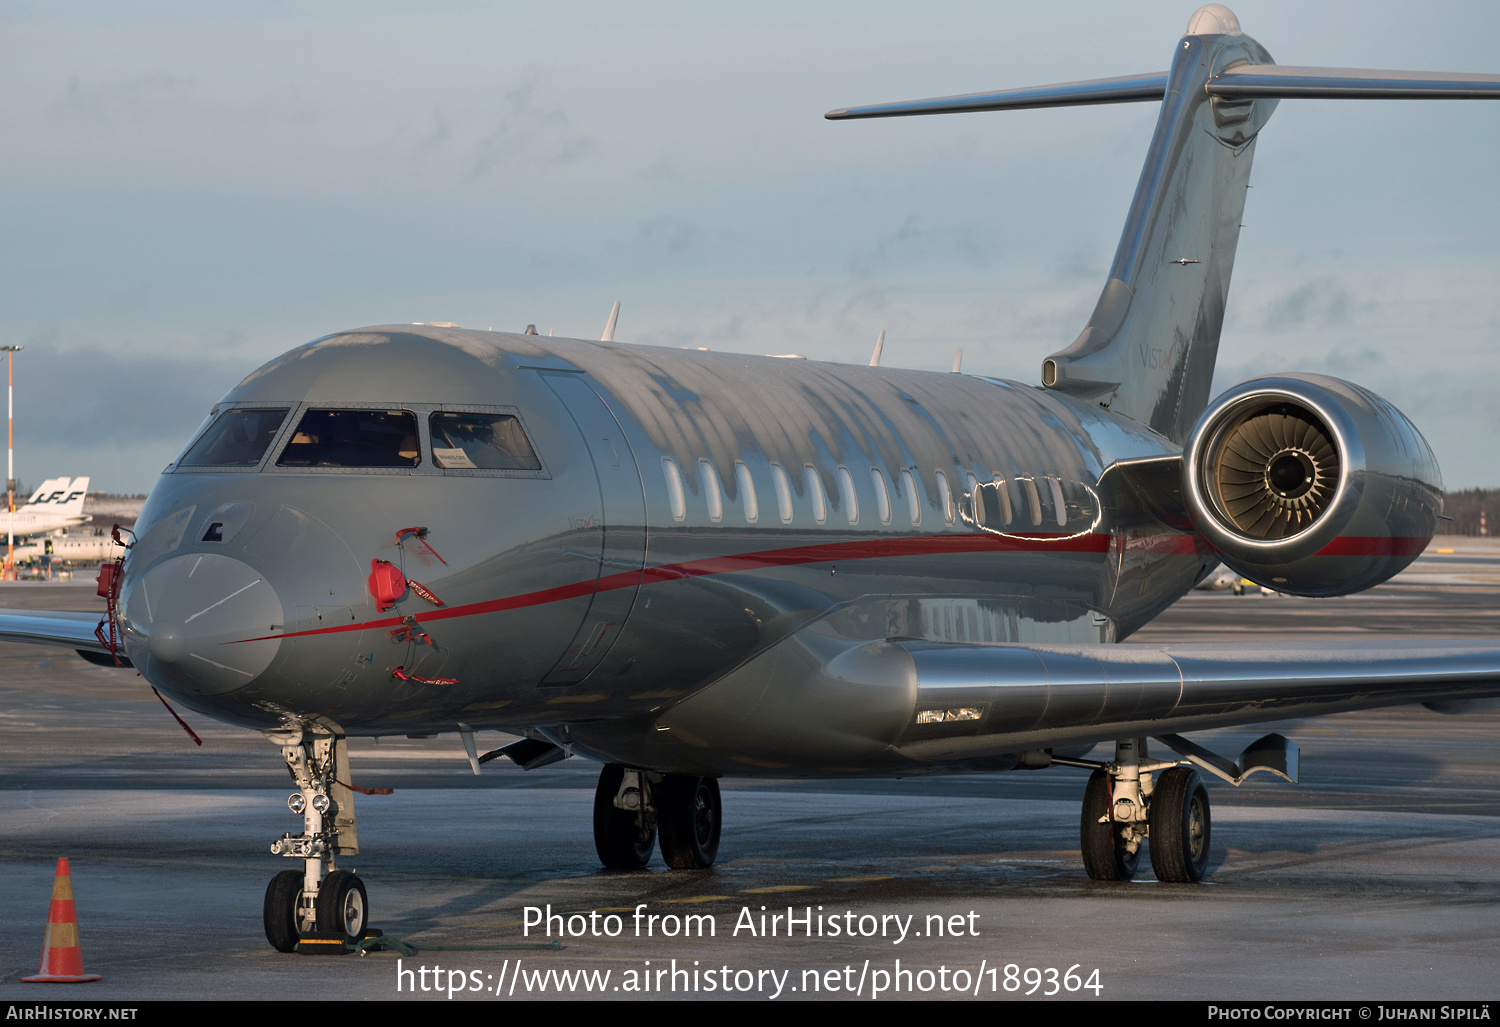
<point>1377,878</point>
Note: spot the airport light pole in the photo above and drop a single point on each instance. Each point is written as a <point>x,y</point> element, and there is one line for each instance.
<point>10,458</point>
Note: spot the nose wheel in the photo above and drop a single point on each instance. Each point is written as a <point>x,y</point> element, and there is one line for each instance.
<point>341,907</point>
<point>283,896</point>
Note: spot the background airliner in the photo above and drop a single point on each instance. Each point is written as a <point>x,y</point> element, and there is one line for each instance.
<point>56,503</point>
<point>689,565</point>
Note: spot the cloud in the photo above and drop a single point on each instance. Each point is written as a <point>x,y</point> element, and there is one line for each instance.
<point>525,129</point>
<point>1322,301</point>
<point>914,242</point>
<point>102,102</point>
<point>666,233</point>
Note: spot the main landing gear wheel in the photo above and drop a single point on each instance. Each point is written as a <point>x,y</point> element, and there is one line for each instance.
<point>1105,855</point>
<point>342,906</point>
<point>1180,827</point>
<point>623,838</point>
<point>282,896</point>
<point>688,812</point>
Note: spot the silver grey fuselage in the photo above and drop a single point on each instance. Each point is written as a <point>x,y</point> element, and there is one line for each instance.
<point>580,600</point>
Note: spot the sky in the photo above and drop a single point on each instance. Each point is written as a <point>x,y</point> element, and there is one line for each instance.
<point>189,189</point>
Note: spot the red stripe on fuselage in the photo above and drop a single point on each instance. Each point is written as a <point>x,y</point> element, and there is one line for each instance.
<point>1372,545</point>
<point>829,552</point>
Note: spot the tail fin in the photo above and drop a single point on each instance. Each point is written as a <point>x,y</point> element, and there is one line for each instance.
<point>60,496</point>
<point>47,491</point>
<point>1149,348</point>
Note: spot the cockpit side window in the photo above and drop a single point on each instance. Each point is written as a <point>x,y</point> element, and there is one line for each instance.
<point>486,442</point>
<point>354,438</point>
<point>238,438</point>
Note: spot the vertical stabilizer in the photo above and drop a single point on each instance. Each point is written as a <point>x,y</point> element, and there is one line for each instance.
<point>1148,351</point>
<point>60,496</point>
<point>48,491</point>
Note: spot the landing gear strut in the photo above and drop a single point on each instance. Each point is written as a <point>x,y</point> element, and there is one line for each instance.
<point>633,807</point>
<point>319,898</point>
<point>1122,806</point>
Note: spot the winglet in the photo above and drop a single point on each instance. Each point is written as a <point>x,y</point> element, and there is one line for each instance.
<point>609,327</point>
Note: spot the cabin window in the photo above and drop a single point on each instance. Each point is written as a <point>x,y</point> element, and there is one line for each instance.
<point>238,438</point>
<point>783,493</point>
<point>882,495</point>
<point>711,490</point>
<point>1059,505</point>
<point>847,497</point>
<point>746,486</point>
<point>815,491</point>
<point>1033,500</point>
<point>482,442</point>
<point>353,438</point>
<point>675,495</point>
<point>945,496</point>
<point>1002,487</point>
<point>913,501</point>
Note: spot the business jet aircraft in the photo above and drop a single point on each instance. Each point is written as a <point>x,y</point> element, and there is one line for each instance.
<point>57,503</point>
<point>686,565</point>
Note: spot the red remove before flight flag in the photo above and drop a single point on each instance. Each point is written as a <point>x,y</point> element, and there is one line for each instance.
<point>62,959</point>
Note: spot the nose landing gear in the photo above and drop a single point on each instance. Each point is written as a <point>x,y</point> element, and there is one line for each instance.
<point>311,907</point>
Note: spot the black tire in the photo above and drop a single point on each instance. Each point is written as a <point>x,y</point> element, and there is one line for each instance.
<point>1105,856</point>
<point>1180,827</point>
<point>343,908</point>
<point>282,895</point>
<point>688,815</point>
<point>623,838</point>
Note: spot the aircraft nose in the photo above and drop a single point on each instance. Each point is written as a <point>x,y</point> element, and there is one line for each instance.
<point>198,623</point>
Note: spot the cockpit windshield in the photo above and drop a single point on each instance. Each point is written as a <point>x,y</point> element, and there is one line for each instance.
<point>353,438</point>
<point>238,438</point>
<point>485,442</point>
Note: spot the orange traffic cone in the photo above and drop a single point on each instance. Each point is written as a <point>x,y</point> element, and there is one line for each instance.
<point>62,959</point>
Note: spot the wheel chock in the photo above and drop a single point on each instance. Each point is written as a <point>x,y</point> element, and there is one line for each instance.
<point>330,943</point>
<point>62,959</point>
<point>323,943</point>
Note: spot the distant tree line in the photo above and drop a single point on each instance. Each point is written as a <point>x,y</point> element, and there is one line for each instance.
<point>1464,508</point>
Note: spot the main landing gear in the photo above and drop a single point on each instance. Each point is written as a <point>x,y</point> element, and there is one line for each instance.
<point>309,906</point>
<point>633,809</point>
<point>1122,807</point>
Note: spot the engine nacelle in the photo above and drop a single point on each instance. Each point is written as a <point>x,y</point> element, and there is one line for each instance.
<point>1311,485</point>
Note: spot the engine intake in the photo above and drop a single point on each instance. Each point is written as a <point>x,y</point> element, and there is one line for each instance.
<point>1273,471</point>
<point>1311,485</point>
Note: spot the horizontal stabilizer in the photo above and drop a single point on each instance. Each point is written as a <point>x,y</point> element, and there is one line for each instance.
<point>1129,89</point>
<point>1284,82</point>
<point>1243,81</point>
